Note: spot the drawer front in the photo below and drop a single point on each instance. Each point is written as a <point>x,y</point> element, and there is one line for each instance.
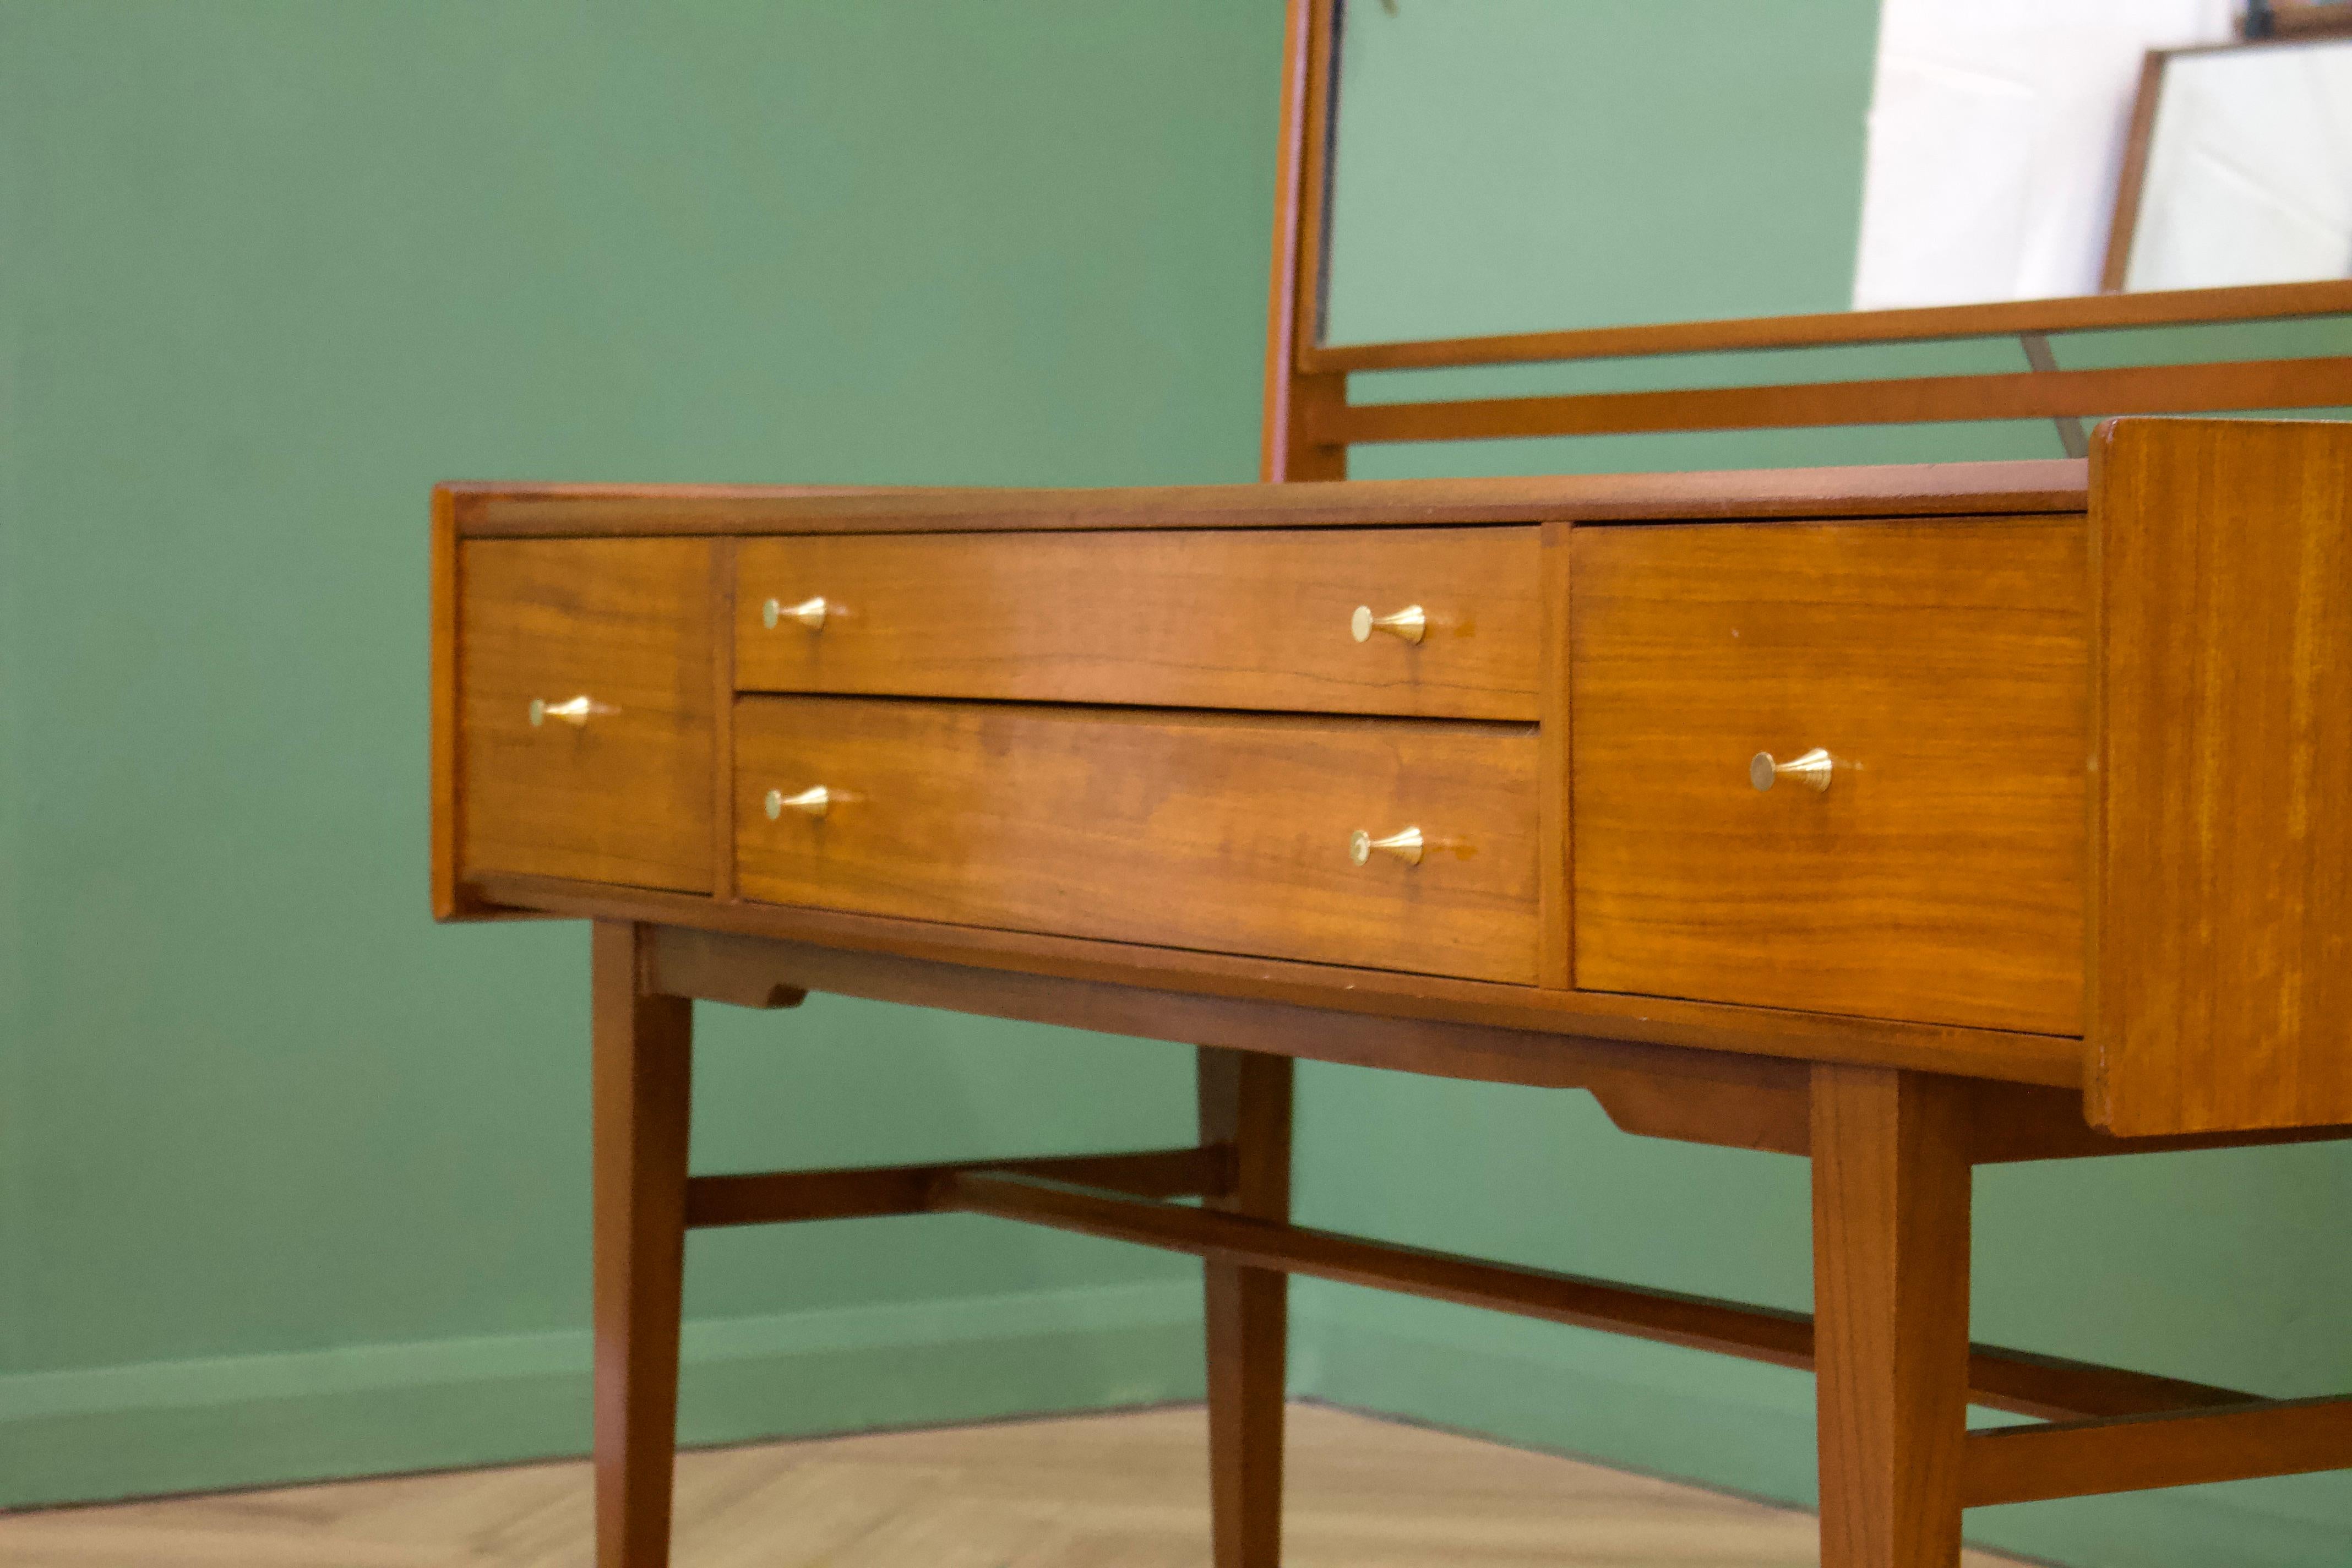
<point>621,793</point>
<point>1944,667</point>
<point>1228,833</point>
<point>1208,619</point>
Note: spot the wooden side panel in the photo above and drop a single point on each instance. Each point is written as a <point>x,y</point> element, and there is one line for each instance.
<point>1227,833</point>
<point>621,625</point>
<point>2221,939</point>
<point>1941,664</point>
<point>1239,620</point>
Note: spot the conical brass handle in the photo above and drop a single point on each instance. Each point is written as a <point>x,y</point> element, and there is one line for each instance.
<point>810,613</point>
<point>1812,770</point>
<point>813,802</point>
<point>1405,845</point>
<point>1411,624</point>
<point>574,712</point>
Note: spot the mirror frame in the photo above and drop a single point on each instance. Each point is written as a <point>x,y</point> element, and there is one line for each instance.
<point>2132,188</point>
<point>1310,423</point>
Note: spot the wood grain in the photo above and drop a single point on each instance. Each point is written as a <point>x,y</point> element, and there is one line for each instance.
<point>1295,289</point>
<point>1667,1023</point>
<point>1556,968</point>
<point>626,798</point>
<point>1254,620</point>
<point>2221,941</point>
<point>1998,318</point>
<point>1942,665</point>
<point>792,1198</point>
<point>642,1070</point>
<point>1246,1106</point>
<point>1984,1374</point>
<point>2136,1453</point>
<point>1185,830</point>
<point>2124,225</point>
<point>1115,1490</point>
<point>570,511</point>
<point>1891,1210</point>
<point>2314,383</point>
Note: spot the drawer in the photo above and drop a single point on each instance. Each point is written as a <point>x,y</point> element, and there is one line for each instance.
<point>1943,666</point>
<point>1236,619</point>
<point>623,792</point>
<point>1225,833</point>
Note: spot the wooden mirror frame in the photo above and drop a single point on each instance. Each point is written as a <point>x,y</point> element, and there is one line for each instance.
<point>2132,189</point>
<point>1309,424</point>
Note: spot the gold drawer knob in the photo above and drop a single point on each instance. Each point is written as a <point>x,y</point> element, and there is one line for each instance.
<point>1405,845</point>
<point>1812,770</point>
<point>574,712</point>
<point>810,613</point>
<point>1411,624</point>
<point>813,802</point>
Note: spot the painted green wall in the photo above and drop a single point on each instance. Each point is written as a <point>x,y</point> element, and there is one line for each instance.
<point>294,1181</point>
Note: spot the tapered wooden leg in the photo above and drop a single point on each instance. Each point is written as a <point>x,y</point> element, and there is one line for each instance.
<point>1891,1188</point>
<point>644,1054</point>
<point>1246,1101</point>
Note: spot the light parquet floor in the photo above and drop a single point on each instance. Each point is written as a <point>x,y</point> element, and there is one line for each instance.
<point>1122,1491</point>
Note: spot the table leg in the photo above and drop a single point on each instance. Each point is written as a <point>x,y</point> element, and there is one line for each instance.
<point>1891,1200</point>
<point>644,1050</point>
<point>1245,1101</point>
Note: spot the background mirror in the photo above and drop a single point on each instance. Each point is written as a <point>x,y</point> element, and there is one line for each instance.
<point>1528,165</point>
<point>2242,170</point>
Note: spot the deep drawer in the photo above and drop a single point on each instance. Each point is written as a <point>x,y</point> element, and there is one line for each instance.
<point>585,710</point>
<point>1223,833</point>
<point>1238,619</point>
<point>1942,666</point>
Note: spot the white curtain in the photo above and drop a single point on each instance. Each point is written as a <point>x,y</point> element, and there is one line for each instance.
<point>1997,131</point>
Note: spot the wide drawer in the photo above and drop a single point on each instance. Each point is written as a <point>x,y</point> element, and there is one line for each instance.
<point>1241,619</point>
<point>1224,833</point>
<point>1942,666</point>
<point>586,698</point>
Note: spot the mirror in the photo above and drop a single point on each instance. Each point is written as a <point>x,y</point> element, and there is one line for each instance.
<point>1505,166</point>
<point>2240,169</point>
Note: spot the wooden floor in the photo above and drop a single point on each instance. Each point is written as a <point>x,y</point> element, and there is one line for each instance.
<point>1123,1490</point>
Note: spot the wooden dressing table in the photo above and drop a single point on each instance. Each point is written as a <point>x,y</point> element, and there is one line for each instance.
<point>1907,818</point>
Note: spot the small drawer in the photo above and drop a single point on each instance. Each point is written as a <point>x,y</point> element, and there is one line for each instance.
<point>1941,665</point>
<point>586,699</point>
<point>1223,833</point>
<point>1280,620</point>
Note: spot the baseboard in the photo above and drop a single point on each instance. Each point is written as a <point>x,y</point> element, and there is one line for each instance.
<point>194,1426</point>
<point>1745,1429</point>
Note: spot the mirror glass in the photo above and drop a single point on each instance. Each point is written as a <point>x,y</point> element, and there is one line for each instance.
<point>1532,165</point>
<point>2247,170</point>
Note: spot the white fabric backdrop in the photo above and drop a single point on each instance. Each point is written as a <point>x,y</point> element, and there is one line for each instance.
<point>1997,130</point>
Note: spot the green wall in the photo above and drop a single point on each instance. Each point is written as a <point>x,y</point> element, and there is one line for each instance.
<point>293,1182</point>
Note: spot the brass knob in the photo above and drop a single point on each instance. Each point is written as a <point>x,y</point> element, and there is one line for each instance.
<point>810,613</point>
<point>1812,770</point>
<point>574,712</point>
<point>1405,845</point>
<point>1412,623</point>
<point>813,802</point>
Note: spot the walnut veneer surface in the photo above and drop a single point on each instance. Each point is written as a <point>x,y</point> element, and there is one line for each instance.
<point>1131,735</point>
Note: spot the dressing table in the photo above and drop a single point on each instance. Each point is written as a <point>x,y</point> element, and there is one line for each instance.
<point>1906,818</point>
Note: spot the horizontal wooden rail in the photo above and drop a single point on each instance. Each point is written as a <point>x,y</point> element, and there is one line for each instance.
<point>2136,1453</point>
<point>2317,383</point>
<point>2002,1379</point>
<point>1830,329</point>
<point>781,1198</point>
